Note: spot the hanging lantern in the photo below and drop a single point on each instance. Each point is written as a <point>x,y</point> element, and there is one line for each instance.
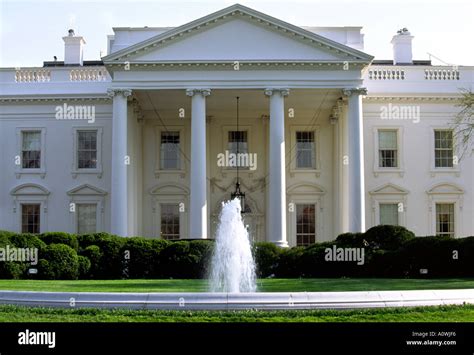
<point>237,193</point>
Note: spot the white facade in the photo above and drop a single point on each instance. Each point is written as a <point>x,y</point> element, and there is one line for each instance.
<point>319,114</point>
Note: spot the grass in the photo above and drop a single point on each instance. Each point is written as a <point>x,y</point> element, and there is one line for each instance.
<point>463,313</point>
<point>264,285</point>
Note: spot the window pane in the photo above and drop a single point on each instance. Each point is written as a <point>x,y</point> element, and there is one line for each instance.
<point>30,218</point>
<point>31,150</point>
<point>237,142</point>
<point>443,149</point>
<point>445,219</point>
<point>86,218</point>
<point>170,221</point>
<point>305,224</point>
<point>388,149</point>
<point>305,150</point>
<point>170,150</point>
<point>388,213</point>
<point>87,149</point>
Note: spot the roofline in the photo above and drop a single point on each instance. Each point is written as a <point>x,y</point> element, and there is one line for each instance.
<point>229,10</point>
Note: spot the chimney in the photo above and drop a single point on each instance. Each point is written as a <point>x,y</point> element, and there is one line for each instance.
<point>73,48</point>
<point>401,42</point>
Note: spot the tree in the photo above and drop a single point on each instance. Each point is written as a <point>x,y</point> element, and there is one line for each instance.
<point>463,123</point>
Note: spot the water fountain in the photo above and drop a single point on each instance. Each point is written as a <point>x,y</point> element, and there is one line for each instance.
<point>232,264</point>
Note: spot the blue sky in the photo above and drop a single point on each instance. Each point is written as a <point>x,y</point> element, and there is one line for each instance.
<point>32,31</point>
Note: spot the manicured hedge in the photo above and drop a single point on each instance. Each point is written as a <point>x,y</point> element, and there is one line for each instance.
<point>389,251</point>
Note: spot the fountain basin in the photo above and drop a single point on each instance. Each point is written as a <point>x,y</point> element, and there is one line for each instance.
<point>238,301</point>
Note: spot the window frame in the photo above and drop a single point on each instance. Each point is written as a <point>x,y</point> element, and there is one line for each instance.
<point>157,151</point>
<point>442,170</point>
<point>315,222</point>
<point>36,203</point>
<point>225,146</point>
<point>19,170</point>
<point>97,214</point>
<point>400,169</point>
<point>380,203</point>
<point>293,147</point>
<point>161,204</point>
<point>98,170</point>
<point>453,204</point>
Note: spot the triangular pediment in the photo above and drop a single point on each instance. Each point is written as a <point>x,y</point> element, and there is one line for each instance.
<point>389,189</point>
<point>445,188</point>
<point>86,190</point>
<point>237,33</point>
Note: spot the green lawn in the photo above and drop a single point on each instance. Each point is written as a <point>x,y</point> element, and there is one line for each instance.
<point>264,285</point>
<point>419,314</point>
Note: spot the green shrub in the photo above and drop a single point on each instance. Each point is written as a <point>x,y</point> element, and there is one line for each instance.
<point>84,266</point>
<point>138,257</point>
<point>60,238</point>
<point>13,269</point>
<point>350,240</point>
<point>387,237</point>
<point>62,262</point>
<point>290,262</point>
<point>182,260</point>
<point>94,255</point>
<point>267,257</point>
<point>26,240</point>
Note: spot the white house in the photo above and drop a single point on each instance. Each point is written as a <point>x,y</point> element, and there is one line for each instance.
<point>142,142</point>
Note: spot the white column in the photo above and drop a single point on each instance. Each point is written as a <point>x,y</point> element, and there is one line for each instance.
<point>276,210</point>
<point>198,204</point>
<point>356,160</point>
<point>118,202</point>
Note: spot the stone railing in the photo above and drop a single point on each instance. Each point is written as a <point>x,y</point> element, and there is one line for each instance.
<point>60,74</point>
<point>88,74</point>
<point>32,75</point>
<point>441,74</point>
<point>387,74</point>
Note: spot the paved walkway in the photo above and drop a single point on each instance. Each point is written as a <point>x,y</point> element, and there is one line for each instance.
<point>233,301</point>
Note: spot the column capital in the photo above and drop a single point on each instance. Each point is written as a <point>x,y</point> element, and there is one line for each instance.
<point>114,92</point>
<point>354,91</point>
<point>203,92</point>
<point>283,91</point>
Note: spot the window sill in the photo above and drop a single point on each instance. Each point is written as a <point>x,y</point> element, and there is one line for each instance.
<point>294,171</point>
<point>180,172</point>
<point>455,171</point>
<point>398,171</point>
<point>40,172</point>
<point>77,172</point>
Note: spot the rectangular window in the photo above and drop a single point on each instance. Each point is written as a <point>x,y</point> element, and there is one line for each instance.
<point>170,151</point>
<point>87,149</point>
<point>388,149</point>
<point>237,142</point>
<point>31,150</point>
<point>305,224</point>
<point>30,218</point>
<point>305,155</point>
<point>445,219</point>
<point>443,148</point>
<point>388,213</point>
<point>86,218</point>
<point>170,221</point>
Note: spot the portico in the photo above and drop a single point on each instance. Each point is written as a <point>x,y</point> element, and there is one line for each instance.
<point>186,81</point>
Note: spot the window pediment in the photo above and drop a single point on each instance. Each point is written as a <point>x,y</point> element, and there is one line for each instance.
<point>30,189</point>
<point>86,190</point>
